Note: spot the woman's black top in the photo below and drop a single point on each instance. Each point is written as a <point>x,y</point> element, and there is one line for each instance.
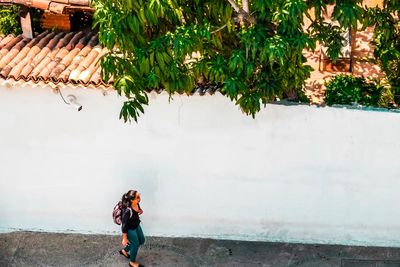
<point>130,220</point>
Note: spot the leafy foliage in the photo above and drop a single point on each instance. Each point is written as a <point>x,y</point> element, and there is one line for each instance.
<point>9,22</point>
<point>387,40</point>
<point>252,50</point>
<point>348,90</point>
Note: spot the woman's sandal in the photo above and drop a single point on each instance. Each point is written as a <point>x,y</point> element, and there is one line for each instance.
<point>126,256</point>
<point>140,265</point>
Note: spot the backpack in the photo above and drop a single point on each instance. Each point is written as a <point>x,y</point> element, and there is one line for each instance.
<point>117,213</point>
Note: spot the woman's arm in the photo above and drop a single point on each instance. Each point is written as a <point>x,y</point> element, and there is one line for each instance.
<point>124,227</point>
<point>140,209</point>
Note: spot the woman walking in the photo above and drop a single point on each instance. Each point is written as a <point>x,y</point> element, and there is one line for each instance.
<point>132,234</point>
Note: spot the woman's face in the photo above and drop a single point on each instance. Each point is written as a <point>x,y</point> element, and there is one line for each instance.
<point>137,198</point>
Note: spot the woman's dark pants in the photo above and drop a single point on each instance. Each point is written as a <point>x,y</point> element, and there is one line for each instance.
<point>136,238</point>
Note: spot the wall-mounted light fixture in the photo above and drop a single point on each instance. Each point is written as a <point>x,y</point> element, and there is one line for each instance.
<point>71,100</point>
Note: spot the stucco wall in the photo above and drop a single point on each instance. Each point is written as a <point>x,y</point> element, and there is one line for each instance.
<point>295,173</point>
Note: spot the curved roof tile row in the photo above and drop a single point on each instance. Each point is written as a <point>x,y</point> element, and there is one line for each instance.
<point>52,57</point>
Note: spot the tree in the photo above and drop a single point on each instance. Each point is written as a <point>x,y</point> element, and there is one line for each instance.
<point>251,50</point>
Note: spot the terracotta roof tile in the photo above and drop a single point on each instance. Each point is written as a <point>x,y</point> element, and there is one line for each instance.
<point>52,57</point>
<point>76,62</point>
<point>7,46</point>
<point>11,54</point>
<point>91,69</point>
<point>9,65</point>
<point>96,77</point>
<point>5,40</point>
<point>36,64</point>
<point>24,68</point>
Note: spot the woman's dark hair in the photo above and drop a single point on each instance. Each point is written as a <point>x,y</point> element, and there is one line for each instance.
<point>127,198</point>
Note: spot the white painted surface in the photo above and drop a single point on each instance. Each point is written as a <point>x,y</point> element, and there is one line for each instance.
<point>295,173</point>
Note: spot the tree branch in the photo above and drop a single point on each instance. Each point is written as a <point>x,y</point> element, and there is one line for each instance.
<point>243,13</point>
<point>234,5</point>
<point>246,5</point>
<point>219,29</point>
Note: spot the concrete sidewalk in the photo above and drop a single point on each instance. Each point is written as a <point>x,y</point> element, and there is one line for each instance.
<point>53,249</point>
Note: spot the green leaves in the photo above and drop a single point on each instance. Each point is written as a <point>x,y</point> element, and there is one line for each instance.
<point>234,87</point>
<point>137,98</point>
<point>237,61</point>
<point>275,50</point>
<point>330,36</point>
<point>249,103</point>
<point>133,23</point>
<point>289,15</point>
<point>9,20</point>
<point>347,13</point>
<point>171,44</point>
<point>131,109</point>
<point>348,90</point>
<point>217,72</point>
<point>387,41</point>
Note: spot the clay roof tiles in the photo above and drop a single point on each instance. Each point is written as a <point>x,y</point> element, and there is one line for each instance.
<point>52,57</point>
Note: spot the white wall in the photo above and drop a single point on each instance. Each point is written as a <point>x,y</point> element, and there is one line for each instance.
<point>295,173</point>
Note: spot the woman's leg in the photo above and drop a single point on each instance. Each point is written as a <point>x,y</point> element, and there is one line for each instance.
<point>127,248</point>
<point>134,244</point>
<point>140,235</point>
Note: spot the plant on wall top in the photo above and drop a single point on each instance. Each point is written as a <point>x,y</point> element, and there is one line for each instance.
<point>349,90</point>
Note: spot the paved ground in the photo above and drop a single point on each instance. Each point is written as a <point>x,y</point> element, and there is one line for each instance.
<point>49,249</point>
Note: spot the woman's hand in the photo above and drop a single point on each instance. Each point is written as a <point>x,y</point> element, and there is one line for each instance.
<point>140,212</point>
<point>125,241</point>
